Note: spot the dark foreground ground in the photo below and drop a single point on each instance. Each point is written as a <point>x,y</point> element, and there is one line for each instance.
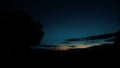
<point>64,57</point>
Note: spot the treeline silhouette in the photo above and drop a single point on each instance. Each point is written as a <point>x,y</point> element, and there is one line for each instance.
<point>22,31</point>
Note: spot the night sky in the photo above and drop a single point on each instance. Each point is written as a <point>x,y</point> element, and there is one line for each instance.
<point>65,19</point>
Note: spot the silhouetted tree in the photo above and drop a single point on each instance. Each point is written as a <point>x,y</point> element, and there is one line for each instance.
<point>23,32</point>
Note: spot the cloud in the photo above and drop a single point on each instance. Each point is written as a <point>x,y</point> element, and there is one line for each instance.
<point>110,40</point>
<point>65,42</point>
<point>97,37</point>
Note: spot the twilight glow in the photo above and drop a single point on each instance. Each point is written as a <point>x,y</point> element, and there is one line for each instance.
<point>68,19</point>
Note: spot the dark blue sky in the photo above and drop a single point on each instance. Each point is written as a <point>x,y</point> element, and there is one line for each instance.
<point>64,19</point>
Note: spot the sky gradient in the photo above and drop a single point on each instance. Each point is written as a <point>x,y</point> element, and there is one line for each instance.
<point>65,19</point>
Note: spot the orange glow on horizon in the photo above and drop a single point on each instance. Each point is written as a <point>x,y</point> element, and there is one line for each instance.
<point>64,47</point>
